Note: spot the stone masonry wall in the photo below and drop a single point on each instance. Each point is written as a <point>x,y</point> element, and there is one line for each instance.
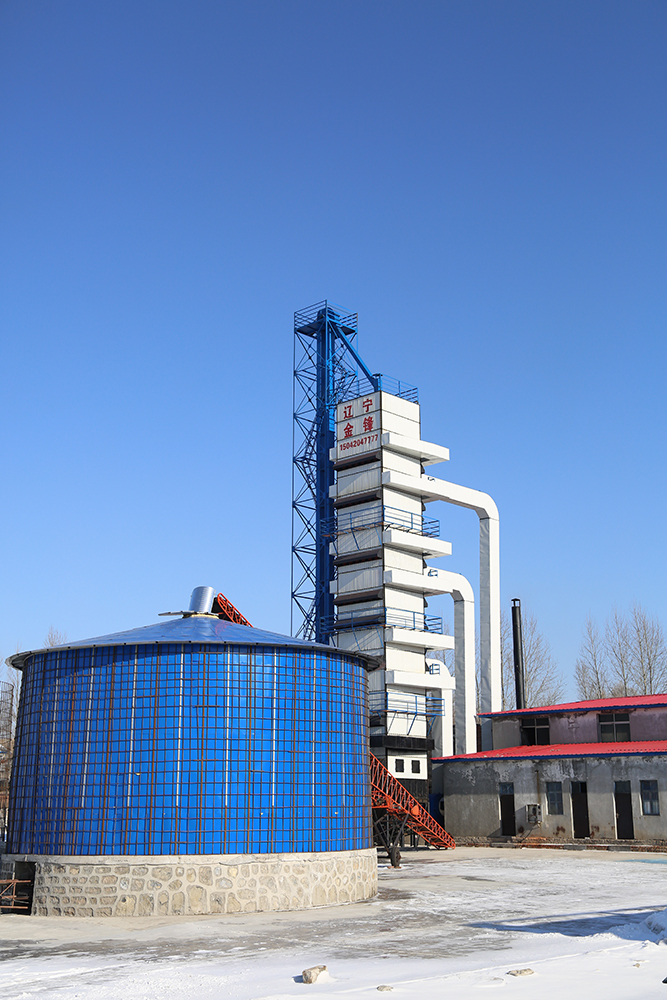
<point>129,886</point>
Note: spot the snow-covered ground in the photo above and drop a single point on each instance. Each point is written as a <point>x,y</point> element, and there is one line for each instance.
<point>447,924</point>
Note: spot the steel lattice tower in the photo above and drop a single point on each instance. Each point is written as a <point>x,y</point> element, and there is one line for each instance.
<point>327,370</point>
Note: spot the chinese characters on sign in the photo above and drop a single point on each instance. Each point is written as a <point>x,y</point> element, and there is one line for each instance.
<point>358,426</point>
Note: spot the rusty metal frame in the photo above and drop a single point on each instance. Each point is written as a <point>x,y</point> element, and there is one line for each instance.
<point>12,899</point>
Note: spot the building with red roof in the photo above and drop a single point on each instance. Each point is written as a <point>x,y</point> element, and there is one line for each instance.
<point>604,720</point>
<point>579,772</point>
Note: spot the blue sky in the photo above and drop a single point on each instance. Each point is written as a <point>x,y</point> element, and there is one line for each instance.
<point>483,182</point>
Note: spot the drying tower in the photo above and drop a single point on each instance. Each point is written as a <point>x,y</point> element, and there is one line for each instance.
<point>361,541</point>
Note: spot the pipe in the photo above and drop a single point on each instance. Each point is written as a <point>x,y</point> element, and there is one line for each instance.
<point>517,636</point>
<point>490,681</point>
<point>464,658</point>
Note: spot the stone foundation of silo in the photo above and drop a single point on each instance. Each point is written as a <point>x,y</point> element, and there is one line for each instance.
<point>184,885</point>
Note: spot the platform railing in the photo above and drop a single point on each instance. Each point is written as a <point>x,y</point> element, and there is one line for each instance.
<point>380,517</point>
<point>347,621</point>
<point>385,383</point>
<point>380,702</point>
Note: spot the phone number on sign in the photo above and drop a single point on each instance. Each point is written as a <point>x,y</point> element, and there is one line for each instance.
<point>369,439</point>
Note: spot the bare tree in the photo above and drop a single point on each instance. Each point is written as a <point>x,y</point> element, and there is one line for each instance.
<point>618,648</point>
<point>54,637</point>
<point>649,655</point>
<point>544,684</point>
<point>630,660</point>
<point>507,660</point>
<point>591,670</point>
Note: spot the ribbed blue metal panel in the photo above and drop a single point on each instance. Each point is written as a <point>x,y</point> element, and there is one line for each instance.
<point>192,748</point>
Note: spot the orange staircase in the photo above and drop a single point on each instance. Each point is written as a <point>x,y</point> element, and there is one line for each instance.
<point>389,795</point>
<point>232,614</point>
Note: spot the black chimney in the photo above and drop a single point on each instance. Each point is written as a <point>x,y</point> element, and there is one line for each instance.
<point>517,635</point>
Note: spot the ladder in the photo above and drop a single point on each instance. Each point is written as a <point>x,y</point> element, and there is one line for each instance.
<point>394,809</point>
<point>231,613</point>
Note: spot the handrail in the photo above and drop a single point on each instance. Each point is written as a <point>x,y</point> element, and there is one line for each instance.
<point>380,517</point>
<point>402,702</point>
<point>384,383</point>
<point>388,793</point>
<point>414,620</point>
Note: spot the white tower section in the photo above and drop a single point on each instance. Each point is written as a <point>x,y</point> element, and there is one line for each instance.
<point>382,544</point>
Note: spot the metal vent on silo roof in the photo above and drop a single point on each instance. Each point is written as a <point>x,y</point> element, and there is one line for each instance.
<point>201,601</point>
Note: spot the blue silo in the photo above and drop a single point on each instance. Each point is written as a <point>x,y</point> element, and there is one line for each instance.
<point>195,738</point>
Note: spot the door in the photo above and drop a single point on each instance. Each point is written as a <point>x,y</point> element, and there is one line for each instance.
<point>580,810</point>
<point>625,828</point>
<point>507,818</point>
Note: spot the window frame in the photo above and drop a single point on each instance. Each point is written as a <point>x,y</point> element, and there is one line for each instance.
<point>554,796</point>
<point>650,795</point>
<point>613,722</point>
<point>536,725</point>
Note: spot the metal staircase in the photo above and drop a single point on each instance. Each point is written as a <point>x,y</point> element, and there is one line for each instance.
<point>226,609</point>
<point>394,809</point>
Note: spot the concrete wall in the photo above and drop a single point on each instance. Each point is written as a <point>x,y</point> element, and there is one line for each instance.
<point>132,886</point>
<point>575,728</point>
<point>506,733</point>
<point>648,724</point>
<point>582,727</point>
<point>472,805</point>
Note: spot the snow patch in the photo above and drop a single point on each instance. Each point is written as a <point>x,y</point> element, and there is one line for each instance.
<point>657,923</point>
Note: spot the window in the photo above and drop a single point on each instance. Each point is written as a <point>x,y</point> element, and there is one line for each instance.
<point>416,767</point>
<point>614,727</point>
<point>535,731</point>
<point>649,793</point>
<point>506,788</point>
<point>399,765</point>
<point>554,798</point>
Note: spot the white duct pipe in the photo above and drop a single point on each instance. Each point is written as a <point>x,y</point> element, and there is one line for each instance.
<point>464,658</point>
<point>490,693</point>
<point>490,679</point>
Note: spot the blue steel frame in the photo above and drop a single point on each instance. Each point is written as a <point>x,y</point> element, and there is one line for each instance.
<point>327,370</point>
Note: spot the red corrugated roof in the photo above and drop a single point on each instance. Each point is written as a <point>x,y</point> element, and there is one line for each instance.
<point>639,747</point>
<point>608,704</point>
